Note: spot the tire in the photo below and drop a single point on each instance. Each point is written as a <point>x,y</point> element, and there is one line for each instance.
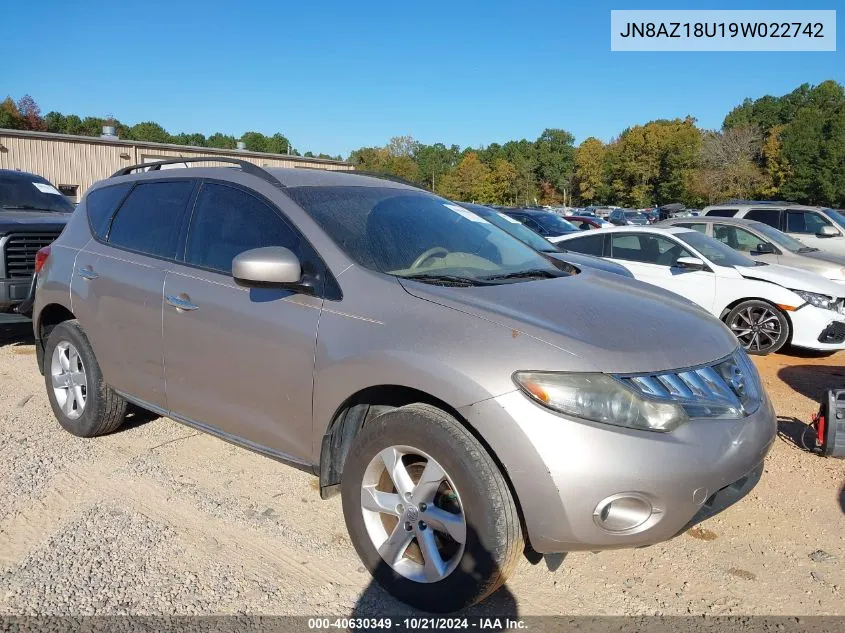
<point>493,538</point>
<point>760,327</point>
<point>83,404</point>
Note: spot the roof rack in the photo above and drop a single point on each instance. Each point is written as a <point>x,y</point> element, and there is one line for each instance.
<point>246,166</point>
<point>739,201</point>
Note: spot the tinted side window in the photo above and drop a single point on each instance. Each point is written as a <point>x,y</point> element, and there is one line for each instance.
<point>228,221</point>
<point>150,219</point>
<point>647,249</point>
<point>588,245</point>
<point>766,216</point>
<point>722,213</point>
<point>804,222</point>
<point>101,205</point>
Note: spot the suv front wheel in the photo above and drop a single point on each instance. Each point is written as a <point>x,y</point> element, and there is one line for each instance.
<point>83,404</point>
<point>428,510</point>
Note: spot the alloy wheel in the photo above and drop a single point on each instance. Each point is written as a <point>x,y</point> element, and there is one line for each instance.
<point>70,383</point>
<point>757,328</point>
<point>413,514</point>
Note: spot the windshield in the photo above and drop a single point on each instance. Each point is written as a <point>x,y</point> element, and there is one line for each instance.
<point>514,227</point>
<point>718,253</point>
<point>25,192</point>
<point>553,223</point>
<point>836,216</point>
<point>634,214</point>
<point>410,233</point>
<point>781,239</point>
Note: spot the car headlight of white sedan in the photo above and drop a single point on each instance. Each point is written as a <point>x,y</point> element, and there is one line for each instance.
<point>818,300</point>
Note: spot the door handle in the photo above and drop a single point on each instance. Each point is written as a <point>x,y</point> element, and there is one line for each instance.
<point>181,304</point>
<point>87,273</point>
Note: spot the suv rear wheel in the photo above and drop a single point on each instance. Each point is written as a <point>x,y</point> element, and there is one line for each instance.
<point>428,511</point>
<point>84,404</point>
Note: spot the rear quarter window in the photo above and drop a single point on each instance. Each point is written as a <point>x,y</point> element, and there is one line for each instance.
<point>722,213</point>
<point>101,205</point>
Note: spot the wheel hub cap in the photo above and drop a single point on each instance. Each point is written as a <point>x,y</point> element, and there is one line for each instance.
<point>413,514</point>
<point>70,382</point>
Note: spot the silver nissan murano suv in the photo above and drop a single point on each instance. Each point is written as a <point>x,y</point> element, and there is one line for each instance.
<point>469,398</point>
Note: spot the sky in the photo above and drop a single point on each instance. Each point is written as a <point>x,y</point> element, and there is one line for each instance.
<point>334,76</point>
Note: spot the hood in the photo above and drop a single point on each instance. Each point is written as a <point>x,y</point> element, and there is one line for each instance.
<point>11,219</point>
<point>824,257</point>
<point>792,279</point>
<point>609,322</point>
<point>595,263</point>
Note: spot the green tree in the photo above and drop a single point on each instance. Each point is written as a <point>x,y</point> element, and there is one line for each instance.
<point>555,154</point>
<point>193,140</point>
<point>56,122</point>
<point>278,144</point>
<point>255,141</point>
<point>435,161</point>
<point>221,141</point>
<point>148,131</point>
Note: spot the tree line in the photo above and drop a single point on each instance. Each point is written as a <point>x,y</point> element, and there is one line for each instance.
<point>790,147</point>
<point>26,115</point>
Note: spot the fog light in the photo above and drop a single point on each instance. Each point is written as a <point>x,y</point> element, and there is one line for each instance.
<point>622,512</point>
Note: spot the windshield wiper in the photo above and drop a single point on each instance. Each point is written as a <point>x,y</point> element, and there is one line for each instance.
<point>443,280</point>
<point>25,207</point>
<point>523,274</point>
<point>807,249</point>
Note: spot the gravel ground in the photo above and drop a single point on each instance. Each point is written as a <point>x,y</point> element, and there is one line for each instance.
<point>158,519</point>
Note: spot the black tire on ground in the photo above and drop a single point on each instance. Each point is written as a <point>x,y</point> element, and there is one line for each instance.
<point>494,538</point>
<point>104,410</point>
<point>773,327</point>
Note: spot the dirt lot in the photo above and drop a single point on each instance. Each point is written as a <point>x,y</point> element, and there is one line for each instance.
<point>159,519</point>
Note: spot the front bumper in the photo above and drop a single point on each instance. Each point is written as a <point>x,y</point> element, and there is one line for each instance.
<point>818,329</point>
<point>564,471</point>
<point>13,292</point>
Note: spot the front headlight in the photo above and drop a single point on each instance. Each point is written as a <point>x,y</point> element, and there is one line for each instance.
<point>600,398</point>
<point>817,300</point>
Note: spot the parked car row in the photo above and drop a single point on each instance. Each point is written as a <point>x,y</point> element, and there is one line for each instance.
<point>471,394</point>
<point>815,226</point>
<point>765,305</point>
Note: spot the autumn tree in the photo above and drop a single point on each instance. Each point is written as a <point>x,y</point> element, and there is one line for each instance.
<point>589,171</point>
<point>729,165</point>
<point>31,114</point>
<point>470,181</point>
<point>10,116</point>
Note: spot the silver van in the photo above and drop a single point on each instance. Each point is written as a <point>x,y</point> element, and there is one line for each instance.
<point>471,399</point>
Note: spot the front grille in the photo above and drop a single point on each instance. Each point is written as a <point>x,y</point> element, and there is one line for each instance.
<point>20,249</point>
<point>727,388</point>
<point>833,333</point>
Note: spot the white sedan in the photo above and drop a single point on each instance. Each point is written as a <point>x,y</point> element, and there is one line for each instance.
<point>765,305</point>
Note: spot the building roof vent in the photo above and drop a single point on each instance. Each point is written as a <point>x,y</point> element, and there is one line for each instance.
<point>109,132</point>
<point>241,145</point>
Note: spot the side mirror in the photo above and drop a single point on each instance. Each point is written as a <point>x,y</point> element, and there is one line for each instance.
<point>268,266</point>
<point>690,263</point>
<point>764,248</point>
<point>827,231</point>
